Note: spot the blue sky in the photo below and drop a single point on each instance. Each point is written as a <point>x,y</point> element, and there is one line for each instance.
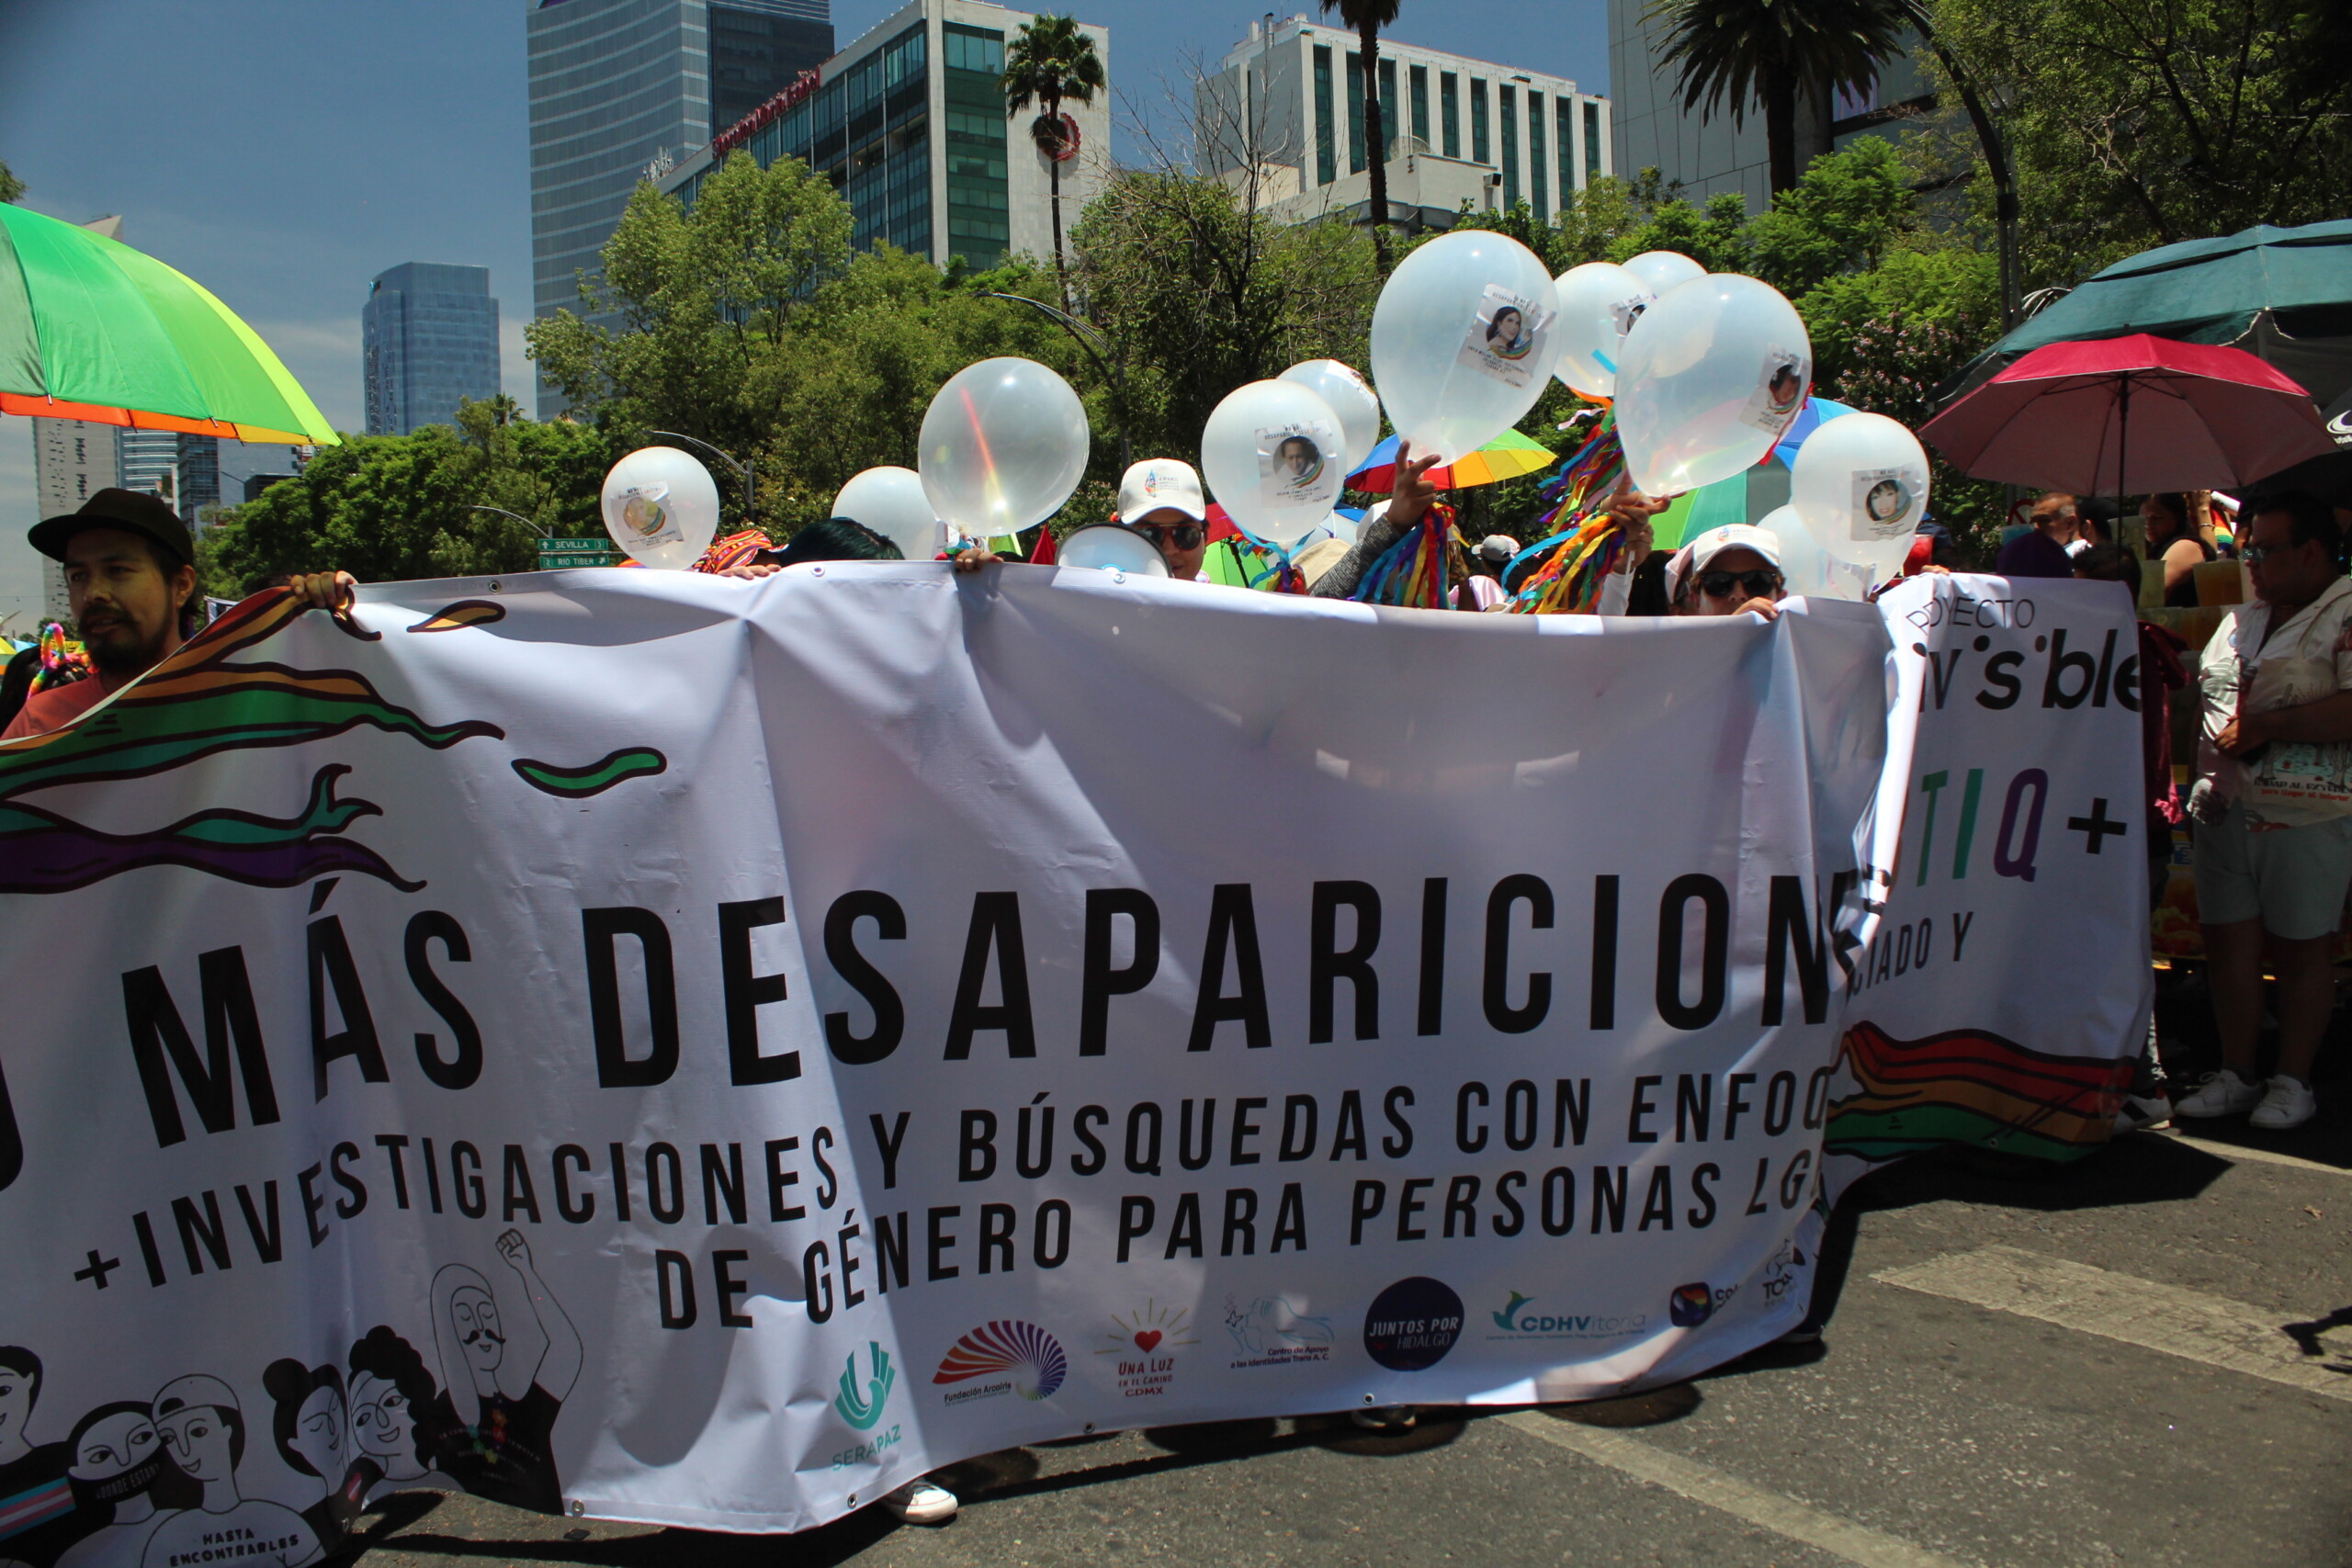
<point>284,151</point>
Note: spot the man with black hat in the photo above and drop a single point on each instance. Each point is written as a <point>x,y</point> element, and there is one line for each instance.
<point>131,570</point>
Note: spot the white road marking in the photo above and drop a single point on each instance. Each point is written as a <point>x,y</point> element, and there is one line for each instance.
<point>1729,1493</point>
<point>2188,1323</point>
<point>2241,1151</point>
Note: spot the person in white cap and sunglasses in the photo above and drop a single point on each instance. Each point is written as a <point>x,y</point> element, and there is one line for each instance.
<point>1161,499</point>
<point>1731,570</point>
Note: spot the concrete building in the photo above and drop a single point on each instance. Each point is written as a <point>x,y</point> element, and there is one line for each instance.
<point>1289,103</point>
<point>428,339</point>
<point>621,89</point>
<point>909,124</point>
<point>72,460</point>
<point>1705,155</point>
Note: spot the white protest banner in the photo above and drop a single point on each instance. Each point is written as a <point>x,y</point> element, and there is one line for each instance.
<point>706,1053</point>
<point>2004,992</point>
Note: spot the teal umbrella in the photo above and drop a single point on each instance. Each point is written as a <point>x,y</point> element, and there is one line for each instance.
<point>2284,295</point>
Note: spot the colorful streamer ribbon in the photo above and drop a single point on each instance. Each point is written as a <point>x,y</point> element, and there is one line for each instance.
<point>1413,573</point>
<point>62,662</point>
<point>1582,542</point>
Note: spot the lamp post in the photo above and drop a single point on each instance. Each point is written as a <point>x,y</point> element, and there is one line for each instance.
<point>542,532</point>
<point>742,470</point>
<point>1088,338</point>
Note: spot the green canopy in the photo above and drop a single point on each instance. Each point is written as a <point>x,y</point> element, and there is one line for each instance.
<point>2282,294</point>
<point>90,329</point>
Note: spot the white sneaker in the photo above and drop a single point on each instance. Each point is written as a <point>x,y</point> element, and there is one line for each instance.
<point>2221,1094</point>
<point>2143,1110</point>
<point>921,1503</point>
<point>2289,1103</point>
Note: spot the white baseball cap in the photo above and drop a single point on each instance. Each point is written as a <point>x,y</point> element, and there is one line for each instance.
<point>1160,481</point>
<point>1736,537</point>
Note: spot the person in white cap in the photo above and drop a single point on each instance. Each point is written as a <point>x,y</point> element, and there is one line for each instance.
<point>1161,499</point>
<point>1731,570</point>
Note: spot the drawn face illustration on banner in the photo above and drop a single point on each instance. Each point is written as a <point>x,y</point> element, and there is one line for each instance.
<point>1299,466</point>
<point>1506,337</point>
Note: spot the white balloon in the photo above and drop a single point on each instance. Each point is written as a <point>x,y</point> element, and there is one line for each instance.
<point>1463,340</point>
<point>1859,484</point>
<point>662,506</point>
<point>891,503</point>
<point>1003,446</point>
<point>1599,302</point>
<point>1274,455</point>
<point>1662,270</point>
<point>1350,397</point>
<point>1111,547</point>
<point>1712,377</point>
<point>1811,571</point>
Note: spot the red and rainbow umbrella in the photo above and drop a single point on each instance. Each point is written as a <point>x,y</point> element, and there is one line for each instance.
<point>1507,457</point>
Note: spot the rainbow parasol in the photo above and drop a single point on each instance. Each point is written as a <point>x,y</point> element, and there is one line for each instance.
<point>90,329</point>
<point>1506,457</point>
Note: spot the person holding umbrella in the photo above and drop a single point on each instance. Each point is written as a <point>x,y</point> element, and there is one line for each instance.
<point>2273,807</point>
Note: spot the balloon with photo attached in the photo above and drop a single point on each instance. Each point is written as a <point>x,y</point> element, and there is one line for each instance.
<point>1350,397</point>
<point>1859,485</point>
<point>662,506</point>
<point>1003,446</point>
<point>1462,340</point>
<point>1599,302</point>
<point>1712,377</point>
<point>1662,270</point>
<point>1274,455</point>
<point>891,502</point>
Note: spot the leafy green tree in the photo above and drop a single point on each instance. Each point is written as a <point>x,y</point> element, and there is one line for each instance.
<point>2136,123</point>
<point>1049,62</point>
<point>1779,52</point>
<point>391,507</point>
<point>1197,296</point>
<point>11,187</point>
<point>1366,18</point>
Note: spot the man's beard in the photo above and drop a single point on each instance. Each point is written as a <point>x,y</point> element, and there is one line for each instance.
<point>116,648</point>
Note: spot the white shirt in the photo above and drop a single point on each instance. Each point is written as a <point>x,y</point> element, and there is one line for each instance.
<point>2311,655</point>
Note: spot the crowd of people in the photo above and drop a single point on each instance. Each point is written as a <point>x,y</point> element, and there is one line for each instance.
<point>2273,863</point>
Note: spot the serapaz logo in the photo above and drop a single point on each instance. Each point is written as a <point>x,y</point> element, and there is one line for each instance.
<point>1692,1305</point>
<point>862,1407</point>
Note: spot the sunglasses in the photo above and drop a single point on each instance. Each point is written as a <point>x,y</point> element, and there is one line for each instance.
<point>2255,555</point>
<point>1755,584</point>
<point>1183,535</point>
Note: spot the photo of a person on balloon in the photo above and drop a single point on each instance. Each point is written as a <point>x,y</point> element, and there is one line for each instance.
<point>1298,462</point>
<point>1886,502</point>
<point>1507,334</point>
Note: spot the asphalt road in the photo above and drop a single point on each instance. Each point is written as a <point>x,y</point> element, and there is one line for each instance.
<point>2144,1359</point>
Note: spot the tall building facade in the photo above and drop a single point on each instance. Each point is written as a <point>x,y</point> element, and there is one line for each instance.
<point>72,460</point>
<point>428,339</point>
<point>1708,154</point>
<point>1286,105</point>
<point>621,89</point>
<point>909,124</point>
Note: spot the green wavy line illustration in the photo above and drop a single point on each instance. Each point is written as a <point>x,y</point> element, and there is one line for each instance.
<point>578,783</point>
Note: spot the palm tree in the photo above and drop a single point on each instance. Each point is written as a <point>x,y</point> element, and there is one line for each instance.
<point>1367,17</point>
<point>1048,61</point>
<point>1744,50</point>
<point>1778,51</point>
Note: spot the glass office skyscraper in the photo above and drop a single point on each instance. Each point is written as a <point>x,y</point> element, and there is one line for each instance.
<point>429,338</point>
<point>622,89</point>
<point>909,124</point>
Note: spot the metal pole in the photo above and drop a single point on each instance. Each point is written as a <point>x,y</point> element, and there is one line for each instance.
<point>543,533</point>
<point>751,499</point>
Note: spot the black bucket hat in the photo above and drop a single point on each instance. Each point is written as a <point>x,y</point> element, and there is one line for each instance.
<point>150,516</point>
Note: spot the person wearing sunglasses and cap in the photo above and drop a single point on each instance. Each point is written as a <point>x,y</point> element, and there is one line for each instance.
<point>130,576</point>
<point>1731,570</point>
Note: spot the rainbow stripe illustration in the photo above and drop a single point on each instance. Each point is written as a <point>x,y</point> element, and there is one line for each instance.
<point>195,705</point>
<point>1967,1085</point>
<point>1033,1358</point>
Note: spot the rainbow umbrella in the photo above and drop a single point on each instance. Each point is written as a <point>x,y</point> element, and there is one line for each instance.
<point>90,329</point>
<point>1506,457</point>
